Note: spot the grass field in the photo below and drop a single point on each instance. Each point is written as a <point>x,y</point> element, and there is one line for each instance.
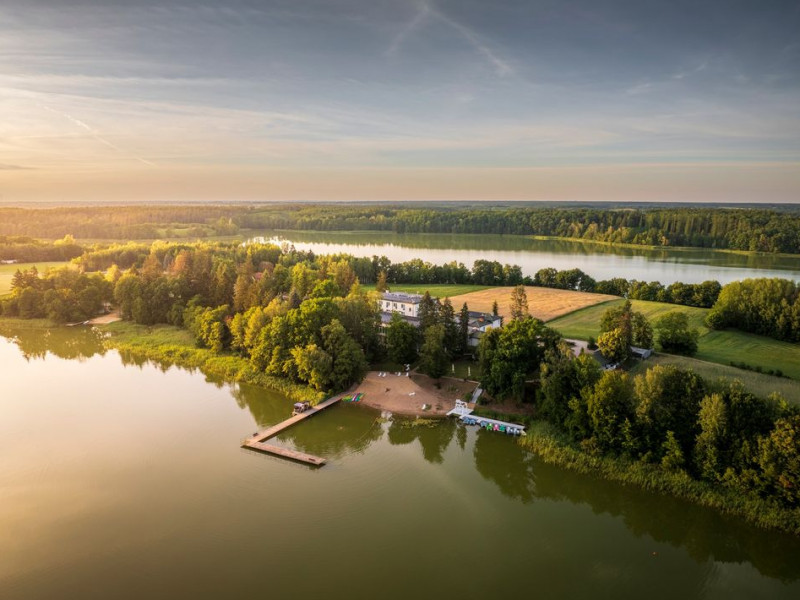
<point>543,303</point>
<point>440,290</point>
<point>7,272</point>
<point>715,346</point>
<point>585,323</point>
<point>758,383</point>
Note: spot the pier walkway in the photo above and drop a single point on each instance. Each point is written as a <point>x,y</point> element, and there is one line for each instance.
<point>256,442</point>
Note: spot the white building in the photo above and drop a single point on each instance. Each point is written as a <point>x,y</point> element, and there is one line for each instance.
<point>405,304</point>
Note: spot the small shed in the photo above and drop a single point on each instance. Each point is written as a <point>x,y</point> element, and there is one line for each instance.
<point>641,353</point>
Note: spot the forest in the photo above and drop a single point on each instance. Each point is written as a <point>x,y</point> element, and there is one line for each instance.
<point>746,229</point>
<point>668,428</point>
<point>766,306</point>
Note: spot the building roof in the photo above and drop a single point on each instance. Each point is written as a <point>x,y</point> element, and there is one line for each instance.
<point>402,297</point>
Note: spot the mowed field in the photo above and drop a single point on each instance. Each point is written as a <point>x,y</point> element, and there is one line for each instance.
<point>585,323</point>
<point>7,272</point>
<point>543,303</point>
<point>721,347</point>
<point>757,383</point>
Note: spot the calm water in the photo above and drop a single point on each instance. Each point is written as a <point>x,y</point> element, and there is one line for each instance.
<point>127,481</point>
<point>599,261</point>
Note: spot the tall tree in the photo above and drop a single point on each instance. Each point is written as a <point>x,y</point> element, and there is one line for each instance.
<point>519,303</point>
<point>463,329</point>
<point>447,317</point>
<point>675,335</point>
<point>401,340</point>
<point>433,355</point>
<point>609,405</point>
<point>428,311</point>
<point>381,285</point>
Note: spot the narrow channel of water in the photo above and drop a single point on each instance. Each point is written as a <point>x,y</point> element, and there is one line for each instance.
<point>598,260</point>
<point>127,481</point>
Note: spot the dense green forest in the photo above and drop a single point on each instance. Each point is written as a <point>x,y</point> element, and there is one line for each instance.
<point>26,249</point>
<point>769,307</point>
<point>670,424</point>
<point>762,230</point>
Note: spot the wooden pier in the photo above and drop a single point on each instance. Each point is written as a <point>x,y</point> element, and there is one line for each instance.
<point>256,442</point>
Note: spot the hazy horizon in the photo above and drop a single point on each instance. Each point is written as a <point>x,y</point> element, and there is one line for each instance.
<point>428,101</point>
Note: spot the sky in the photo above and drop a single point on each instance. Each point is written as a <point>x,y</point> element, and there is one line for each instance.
<point>386,100</point>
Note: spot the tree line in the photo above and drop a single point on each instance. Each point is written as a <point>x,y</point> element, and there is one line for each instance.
<point>61,295</point>
<point>27,249</point>
<point>765,306</point>
<point>416,271</point>
<point>121,222</point>
<point>740,229</point>
<point>750,229</point>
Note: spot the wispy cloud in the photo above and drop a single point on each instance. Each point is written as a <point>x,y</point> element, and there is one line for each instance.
<point>96,135</point>
<point>428,11</point>
<point>419,18</point>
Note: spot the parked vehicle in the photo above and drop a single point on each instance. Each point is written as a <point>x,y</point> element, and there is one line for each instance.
<point>301,407</point>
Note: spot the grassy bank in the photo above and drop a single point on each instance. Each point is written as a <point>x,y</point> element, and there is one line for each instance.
<point>167,345</point>
<point>554,449</point>
<point>721,347</point>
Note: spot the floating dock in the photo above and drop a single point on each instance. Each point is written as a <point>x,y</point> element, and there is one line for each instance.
<point>464,412</point>
<point>256,442</point>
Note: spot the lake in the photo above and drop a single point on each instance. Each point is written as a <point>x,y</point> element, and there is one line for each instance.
<point>126,480</point>
<point>598,260</point>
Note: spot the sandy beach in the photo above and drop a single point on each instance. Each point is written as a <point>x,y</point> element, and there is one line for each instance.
<point>407,395</point>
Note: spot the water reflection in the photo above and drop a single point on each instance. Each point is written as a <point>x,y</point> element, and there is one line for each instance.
<point>704,534</point>
<point>433,437</point>
<point>506,464</point>
<point>546,515</point>
<point>598,260</point>
<point>71,343</point>
<point>469,241</point>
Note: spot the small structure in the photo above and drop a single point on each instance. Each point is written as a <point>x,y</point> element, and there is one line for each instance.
<point>641,353</point>
<point>461,409</point>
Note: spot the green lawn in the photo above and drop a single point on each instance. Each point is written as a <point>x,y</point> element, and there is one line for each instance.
<point>441,290</point>
<point>758,383</point>
<point>753,350</point>
<point>7,272</point>
<point>715,346</point>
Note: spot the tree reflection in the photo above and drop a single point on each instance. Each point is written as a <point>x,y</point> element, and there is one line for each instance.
<point>434,436</point>
<point>74,343</point>
<point>704,533</point>
<point>506,464</point>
